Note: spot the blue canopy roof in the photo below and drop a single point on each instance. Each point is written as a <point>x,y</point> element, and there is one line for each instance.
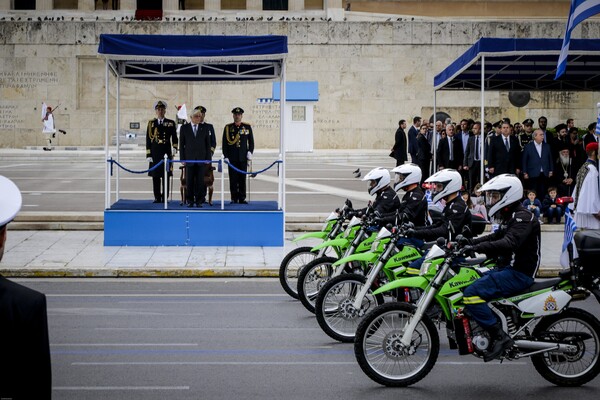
<point>194,58</point>
<point>523,64</point>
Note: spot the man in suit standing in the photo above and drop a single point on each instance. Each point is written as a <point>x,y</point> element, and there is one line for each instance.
<point>449,152</point>
<point>537,163</point>
<point>399,149</point>
<point>413,131</point>
<point>504,155</point>
<point>238,146</point>
<point>472,159</point>
<point>161,134</point>
<point>423,153</point>
<point>25,371</point>
<point>194,143</point>
<point>590,136</point>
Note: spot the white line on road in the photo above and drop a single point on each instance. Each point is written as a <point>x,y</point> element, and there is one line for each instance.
<point>237,329</point>
<point>250,363</point>
<point>166,295</point>
<point>122,344</point>
<point>96,388</point>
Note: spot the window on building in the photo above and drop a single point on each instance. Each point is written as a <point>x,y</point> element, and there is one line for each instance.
<point>65,4</point>
<point>107,4</point>
<point>275,4</point>
<point>298,113</point>
<point>233,4</point>
<point>24,4</point>
<point>191,4</point>
<point>149,5</point>
<point>313,4</point>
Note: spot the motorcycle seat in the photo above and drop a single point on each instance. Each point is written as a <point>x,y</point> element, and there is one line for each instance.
<point>543,284</point>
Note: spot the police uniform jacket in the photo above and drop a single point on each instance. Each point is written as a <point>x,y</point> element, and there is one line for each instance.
<point>456,213</point>
<point>516,242</point>
<point>413,205</point>
<point>237,141</point>
<point>25,371</point>
<point>159,140</point>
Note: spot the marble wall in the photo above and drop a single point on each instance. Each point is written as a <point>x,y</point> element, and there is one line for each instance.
<point>370,74</point>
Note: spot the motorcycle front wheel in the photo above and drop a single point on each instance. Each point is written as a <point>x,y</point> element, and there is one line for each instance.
<point>291,266</point>
<point>334,310</point>
<point>575,327</point>
<point>380,352</point>
<point>312,278</point>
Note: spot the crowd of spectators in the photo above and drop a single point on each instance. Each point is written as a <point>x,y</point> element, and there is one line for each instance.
<point>545,159</point>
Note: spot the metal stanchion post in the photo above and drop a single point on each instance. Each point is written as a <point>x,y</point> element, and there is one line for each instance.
<point>166,180</point>
<point>222,183</point>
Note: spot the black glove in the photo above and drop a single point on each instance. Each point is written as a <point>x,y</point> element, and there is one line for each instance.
<point>410,233</point>
<point>464,241</point>
<point>468,251</point>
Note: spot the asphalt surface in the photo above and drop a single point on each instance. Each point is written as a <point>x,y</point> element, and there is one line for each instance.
<point>245,339</point>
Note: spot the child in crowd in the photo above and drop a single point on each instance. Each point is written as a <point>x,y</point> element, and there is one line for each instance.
<point>533,204</point>
<point>551,210</point>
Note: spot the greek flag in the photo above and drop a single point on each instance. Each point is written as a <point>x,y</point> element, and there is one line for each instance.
<point>570,229</point>
<point>580,11</point>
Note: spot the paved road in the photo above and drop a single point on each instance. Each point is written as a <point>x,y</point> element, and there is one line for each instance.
<point>235,339</point>
<point>74,180</point>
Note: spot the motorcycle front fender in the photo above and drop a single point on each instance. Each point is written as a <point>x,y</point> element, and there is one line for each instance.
<point>331,243</point>
<point>363,257</point>
<point>413,282</point>
<point>318,235</point>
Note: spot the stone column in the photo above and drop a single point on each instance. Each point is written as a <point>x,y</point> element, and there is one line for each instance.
<point>44,5</point>
<point>128,5</point>
<point>335,9</point>
<point>295,5</point>
<point>212,5</point>
<point>86,5</point>
<point>170,5</point>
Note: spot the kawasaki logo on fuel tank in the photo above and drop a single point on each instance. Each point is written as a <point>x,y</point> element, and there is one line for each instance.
<point>461,283</point>
<point>398,259</point>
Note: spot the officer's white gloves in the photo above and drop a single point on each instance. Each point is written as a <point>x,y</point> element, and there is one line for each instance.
<point>226,160</point>
<point>149,159</point>
<point>249,156</point>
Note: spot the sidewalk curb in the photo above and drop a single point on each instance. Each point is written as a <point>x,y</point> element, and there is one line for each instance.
<point>250,272</point>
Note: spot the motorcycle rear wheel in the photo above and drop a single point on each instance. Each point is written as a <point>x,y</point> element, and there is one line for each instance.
<point>333,307</point>
<point>569,369</point>
<point>312,278</point>
<point>291,266</point>
<point>381,355</point>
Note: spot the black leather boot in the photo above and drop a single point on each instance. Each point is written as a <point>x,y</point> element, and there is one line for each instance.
<point>502,342</point>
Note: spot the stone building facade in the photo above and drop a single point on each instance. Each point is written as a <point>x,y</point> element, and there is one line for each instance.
<point>370,74</point>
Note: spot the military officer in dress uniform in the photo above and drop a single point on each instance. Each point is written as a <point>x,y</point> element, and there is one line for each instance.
<point>526,135</point>
<point>25,369</point>
<point>161,134</point>
<point>238,146</point>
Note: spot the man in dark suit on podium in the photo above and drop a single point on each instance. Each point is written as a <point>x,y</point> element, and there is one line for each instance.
<point>194,144</point>
<point>537,164</point>
<point>25,371</point>
<point>450,150</point>
<point>504,155</point>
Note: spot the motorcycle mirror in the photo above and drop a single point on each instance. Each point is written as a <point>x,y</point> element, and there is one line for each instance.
<point>389,227</point>
<point>441,242</point>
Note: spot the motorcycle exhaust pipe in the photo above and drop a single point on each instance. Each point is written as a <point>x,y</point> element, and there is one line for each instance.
<point>548,346</point>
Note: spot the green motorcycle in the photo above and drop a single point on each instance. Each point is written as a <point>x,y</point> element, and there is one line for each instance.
<point>293,263</point>
<point>397,344</point>
<point>357,238</point>
<point>345,299</point>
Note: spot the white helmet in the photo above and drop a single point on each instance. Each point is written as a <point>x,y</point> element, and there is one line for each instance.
<point>502,191</point>
<point>378,179</point>
<point>406,174</point>
<point>447,181</point>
